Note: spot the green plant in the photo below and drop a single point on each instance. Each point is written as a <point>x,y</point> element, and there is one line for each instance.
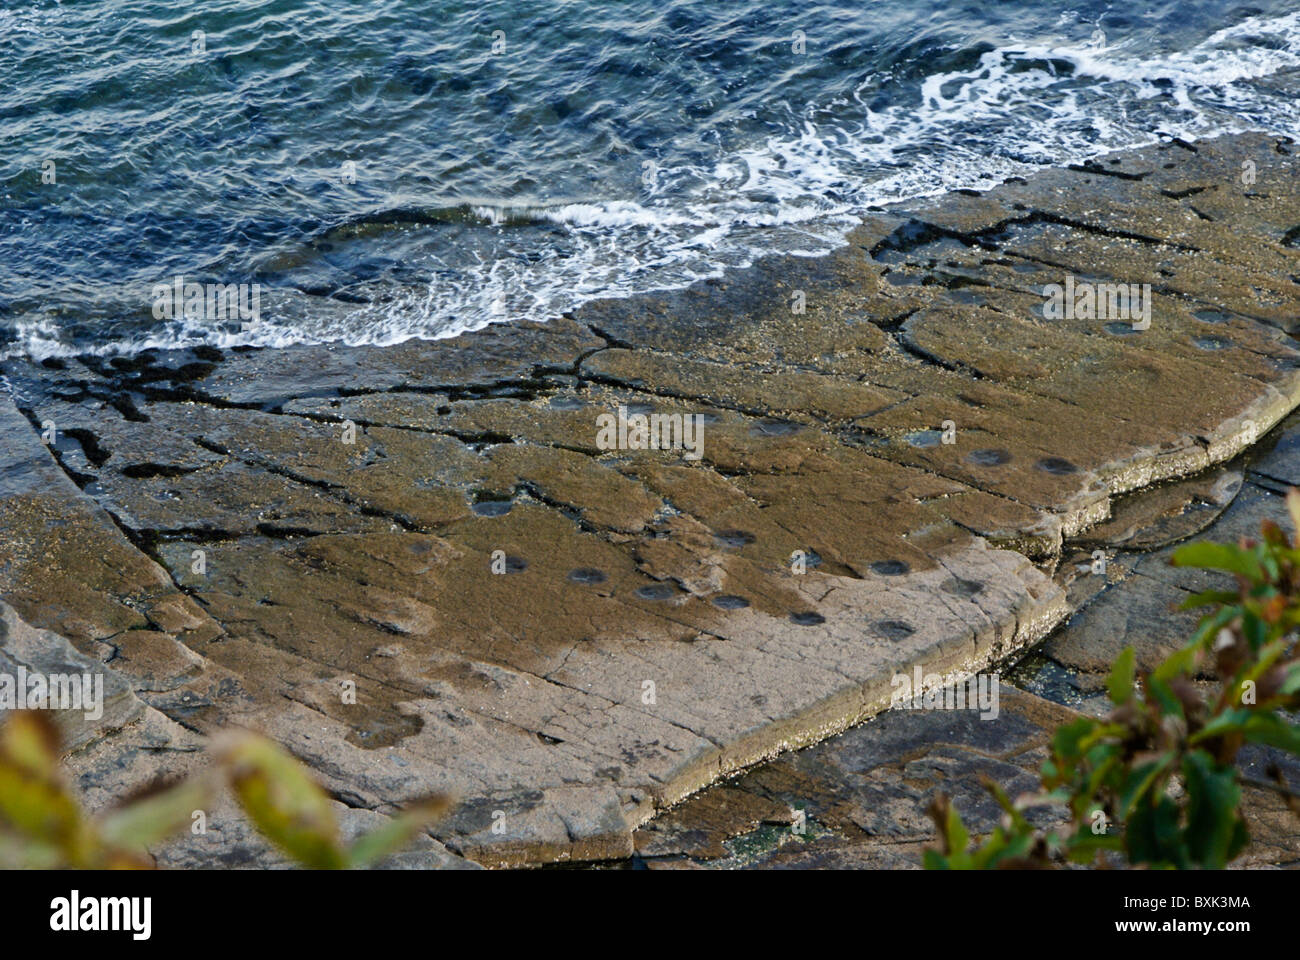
<point>292,810</point>
<point>43,825</point>
<point>1155,783</point>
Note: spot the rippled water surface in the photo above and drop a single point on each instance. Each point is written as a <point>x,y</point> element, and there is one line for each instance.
<point>514,159</point>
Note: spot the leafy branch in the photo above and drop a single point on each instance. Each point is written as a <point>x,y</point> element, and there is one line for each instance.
<point>1155,783</point>
<point>43,824</point>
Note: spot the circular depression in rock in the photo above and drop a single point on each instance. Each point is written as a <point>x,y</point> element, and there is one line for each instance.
<point>492,508</point>
<point>588,575</point>
<point>924,438</point>
<point>1212,316</point>
<point>894,629</point>
<point>657,591</point>
<point>730,602</point>
<point>811,558</point>
<point>807,618</point>
<point>567,403</point>
<point>516,564</point>
<point>989,457</point>
<point>775,428</point>
<point>961,587</point>
<point>1120,329</point>
<point>1212,343</point>
<point>890,568</point>
<point>1057,466</point>
<point>733,539</point>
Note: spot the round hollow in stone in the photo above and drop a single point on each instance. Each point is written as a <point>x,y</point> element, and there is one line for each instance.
<point>1212,316</point>
<point>1121,329</point>
<point>587,575</point>
<point>657,591</point>
<point>989,457</point>
<point>890,568</point>
<point>961,587</point>
<point>730,602</point>
<point>894,629</point>
<point>492,508</point>
<point>1058,466</point>
<point>807,618</point>
<point>775,428</point>
<point>1212,343</point>
<point>516,564</point>
<point>924,438</point>
<point>733,539</point>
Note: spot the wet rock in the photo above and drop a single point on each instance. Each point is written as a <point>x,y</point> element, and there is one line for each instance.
<point>862,796</point>
<point>699,827</point>
<point>254,536</point>
<point>1139,612</point>
<point>1165,514</point>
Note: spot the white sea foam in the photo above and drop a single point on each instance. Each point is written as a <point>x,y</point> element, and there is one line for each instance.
<point>1032,104</point>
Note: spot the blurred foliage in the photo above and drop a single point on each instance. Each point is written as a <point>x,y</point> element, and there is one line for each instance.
<point>43,824</point>
<point>1155,783</point>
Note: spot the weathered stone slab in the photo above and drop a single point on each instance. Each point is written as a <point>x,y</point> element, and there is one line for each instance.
<point>863,795</point>
<point>418,568</point>
<point>860,800</point>
<point>86,700</point>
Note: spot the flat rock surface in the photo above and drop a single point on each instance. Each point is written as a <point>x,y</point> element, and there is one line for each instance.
<point>859,800</point>
<point>420,569</point>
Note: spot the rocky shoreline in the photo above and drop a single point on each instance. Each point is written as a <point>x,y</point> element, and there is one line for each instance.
<point>572,639</point>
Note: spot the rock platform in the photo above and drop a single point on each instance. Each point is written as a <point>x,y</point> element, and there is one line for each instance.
<point>473,596</point>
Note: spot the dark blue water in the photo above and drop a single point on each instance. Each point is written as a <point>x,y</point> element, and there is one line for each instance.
<point>514,159</point>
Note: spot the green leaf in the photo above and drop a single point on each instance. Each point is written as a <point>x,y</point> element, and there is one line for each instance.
<point>958,836</point>
<point>1208,598</point>
<point>934,860</point>
<point>1159,691</point>
<point>1218,556</point>
<point>140,825</point>
<point>1152,836</point>
<point>397,832</point>
<point>1068,741</point>
<point>1292,682</point>
<point>36,801</point>
<point>1208,629</point>
<point>1274,730</point>
<point>1179,663</point>
<point>1120,685</point>
<point>1230,721</point>
<point>1213,823</point>
<point>1139,781</point>
<point>1083,845</point>
<point>1254,629</point>
<point>283,802</point>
